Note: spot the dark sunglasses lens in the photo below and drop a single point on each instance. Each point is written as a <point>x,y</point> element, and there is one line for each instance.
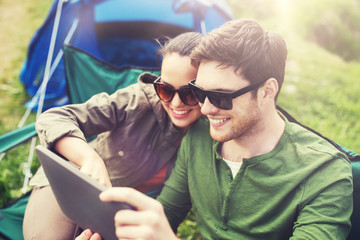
<point>187,97</point>
<point>199,94</point>
<point>164,92</point>
<point>216,99</point>
<point>221,102</point>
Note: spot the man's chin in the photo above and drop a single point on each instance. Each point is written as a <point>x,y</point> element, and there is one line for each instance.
<point>217,137</point>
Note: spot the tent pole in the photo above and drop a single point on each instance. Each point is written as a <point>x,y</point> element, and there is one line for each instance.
<point>49,70</point>
<point>27,165</point>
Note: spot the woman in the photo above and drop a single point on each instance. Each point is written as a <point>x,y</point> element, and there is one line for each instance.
<point>138,136</point>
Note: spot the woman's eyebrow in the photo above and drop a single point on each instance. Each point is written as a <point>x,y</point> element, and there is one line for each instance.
<point>168,84</point>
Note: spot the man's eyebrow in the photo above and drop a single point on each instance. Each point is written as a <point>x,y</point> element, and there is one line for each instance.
<point>223,90</point>
<point>219,89</point>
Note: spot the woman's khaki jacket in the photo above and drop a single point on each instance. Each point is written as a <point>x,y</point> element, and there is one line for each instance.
<point>135,136</point>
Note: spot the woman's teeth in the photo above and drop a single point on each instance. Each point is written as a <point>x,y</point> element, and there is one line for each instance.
<point>180,112</point>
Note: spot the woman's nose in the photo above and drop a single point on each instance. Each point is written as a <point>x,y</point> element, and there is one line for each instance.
<point>176,101</point>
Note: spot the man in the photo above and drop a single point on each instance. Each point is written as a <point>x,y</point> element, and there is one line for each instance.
<point>256,175</point>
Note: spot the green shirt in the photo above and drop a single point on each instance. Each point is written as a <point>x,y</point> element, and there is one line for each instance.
<point>302,189</point>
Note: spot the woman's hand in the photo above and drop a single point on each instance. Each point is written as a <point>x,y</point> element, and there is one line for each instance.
<point>148,221</point>
<point>88,235</point>
<point>94,167</point>
<point>80,153</point>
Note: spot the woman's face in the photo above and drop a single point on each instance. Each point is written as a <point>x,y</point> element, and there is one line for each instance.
<point>177,71</point>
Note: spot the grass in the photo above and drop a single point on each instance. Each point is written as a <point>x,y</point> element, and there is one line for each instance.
<point>321,90</point>
<point>18,23</point>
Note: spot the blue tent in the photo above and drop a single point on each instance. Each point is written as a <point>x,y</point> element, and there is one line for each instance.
<point>115,31</point>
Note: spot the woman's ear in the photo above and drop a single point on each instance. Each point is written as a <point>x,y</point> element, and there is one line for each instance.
<point>268,91</point>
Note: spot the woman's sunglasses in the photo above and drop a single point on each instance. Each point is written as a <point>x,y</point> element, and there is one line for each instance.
<point>219,99</point>
<point>166,93</point>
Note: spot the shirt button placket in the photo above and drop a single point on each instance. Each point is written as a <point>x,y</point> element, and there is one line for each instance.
<point>230,178</point>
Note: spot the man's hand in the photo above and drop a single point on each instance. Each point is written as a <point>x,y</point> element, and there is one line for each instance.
<point>147,222</point>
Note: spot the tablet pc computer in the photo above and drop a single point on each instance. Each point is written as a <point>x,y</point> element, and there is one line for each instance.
<point>78,195</point>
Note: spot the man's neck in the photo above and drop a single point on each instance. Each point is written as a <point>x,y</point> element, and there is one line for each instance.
<point>262,140</point>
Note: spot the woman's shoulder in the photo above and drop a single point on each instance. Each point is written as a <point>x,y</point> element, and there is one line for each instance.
<point>140,93</point>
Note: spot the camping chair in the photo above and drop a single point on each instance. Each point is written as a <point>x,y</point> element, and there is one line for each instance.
<point>15,137</point>
<point>11,218</point>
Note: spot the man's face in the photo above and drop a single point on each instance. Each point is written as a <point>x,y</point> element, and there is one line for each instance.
<point>241,120</point>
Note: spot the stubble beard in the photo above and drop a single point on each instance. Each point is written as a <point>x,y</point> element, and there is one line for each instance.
<point>244,127</point>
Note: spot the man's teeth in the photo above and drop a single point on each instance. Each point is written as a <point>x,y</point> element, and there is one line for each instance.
<point>180,112</point>
<point>217,121</point>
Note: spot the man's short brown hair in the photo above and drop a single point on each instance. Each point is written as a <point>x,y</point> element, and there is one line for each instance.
<point>244,45</point>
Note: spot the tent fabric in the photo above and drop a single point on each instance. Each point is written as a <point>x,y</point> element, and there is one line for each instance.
<point>11,218</point>
<point>104,27</point>
<point>87,75</point>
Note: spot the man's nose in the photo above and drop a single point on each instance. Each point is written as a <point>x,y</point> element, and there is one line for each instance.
<point>207,108</point>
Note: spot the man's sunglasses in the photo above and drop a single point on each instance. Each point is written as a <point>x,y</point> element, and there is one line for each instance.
<point>166,93</point>
<point>219,99</point>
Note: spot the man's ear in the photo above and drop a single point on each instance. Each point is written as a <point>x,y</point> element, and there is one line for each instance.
<point>268,91</point>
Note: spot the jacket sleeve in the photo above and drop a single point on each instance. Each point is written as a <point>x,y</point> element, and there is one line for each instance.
<point>99,114</point>
<point>326,207</point>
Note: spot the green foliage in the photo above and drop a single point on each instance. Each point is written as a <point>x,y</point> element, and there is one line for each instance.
<point>188,230</point>
<point>18,23</point>
<point>12,173</point>
<point>321,91</point>
<point>332,24</point>
<point>257,9</point>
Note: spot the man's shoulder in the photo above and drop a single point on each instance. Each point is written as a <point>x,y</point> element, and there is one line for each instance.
<point>312,143</point>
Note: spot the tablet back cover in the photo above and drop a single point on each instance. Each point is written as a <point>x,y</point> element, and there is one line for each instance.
<point>78,195</point>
